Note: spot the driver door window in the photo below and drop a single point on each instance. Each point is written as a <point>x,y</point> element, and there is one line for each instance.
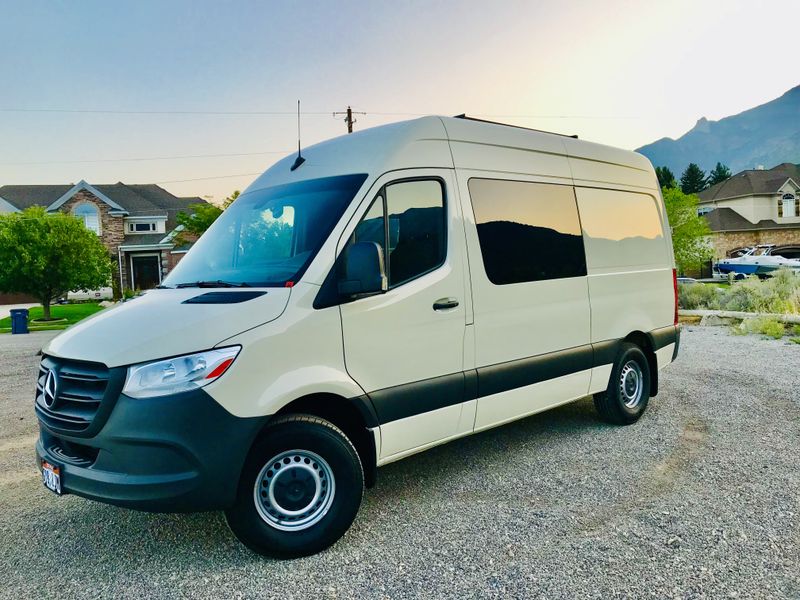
<point>410,215</point>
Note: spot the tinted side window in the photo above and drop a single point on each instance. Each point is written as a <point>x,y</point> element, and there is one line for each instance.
<point>527,231</point>
<point>410,227</point>
<point>416,229</point>
<point>622,229</point>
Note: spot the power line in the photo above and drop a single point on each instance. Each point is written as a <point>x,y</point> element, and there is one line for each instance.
<point>208,178</point>
<point>294,113</point>
<point>142,158</point>
<point>162,112</point>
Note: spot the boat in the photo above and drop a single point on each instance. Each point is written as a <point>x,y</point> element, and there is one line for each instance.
<point>756,260</point>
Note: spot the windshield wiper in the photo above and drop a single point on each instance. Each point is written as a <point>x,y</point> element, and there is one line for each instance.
<point>212,284</point>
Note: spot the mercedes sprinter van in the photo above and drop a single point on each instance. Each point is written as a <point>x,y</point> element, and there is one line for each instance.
<point>389,291</point>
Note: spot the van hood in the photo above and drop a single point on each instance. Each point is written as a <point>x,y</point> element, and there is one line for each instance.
<point>160,324</point>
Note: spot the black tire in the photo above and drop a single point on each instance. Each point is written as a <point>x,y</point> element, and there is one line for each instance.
<point>614,405</point>
<point>303,437</point>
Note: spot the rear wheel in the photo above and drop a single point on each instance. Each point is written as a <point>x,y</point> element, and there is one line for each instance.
<point>628,392</point>
<point>300,489</point>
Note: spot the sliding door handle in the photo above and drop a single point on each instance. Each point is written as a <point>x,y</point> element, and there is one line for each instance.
<point>445,304</point>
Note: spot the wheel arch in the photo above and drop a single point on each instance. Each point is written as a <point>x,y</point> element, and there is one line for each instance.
<point>645,342</point>
<point>354,416</point>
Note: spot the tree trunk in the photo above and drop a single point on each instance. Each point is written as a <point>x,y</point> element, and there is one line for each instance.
<point>46,309</point>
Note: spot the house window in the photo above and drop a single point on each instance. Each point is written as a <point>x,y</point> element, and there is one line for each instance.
<point>788,206</point>
<point>89,215</point>
<point>141,227</point>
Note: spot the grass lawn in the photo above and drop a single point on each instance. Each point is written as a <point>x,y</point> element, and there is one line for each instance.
<point>71,312</point>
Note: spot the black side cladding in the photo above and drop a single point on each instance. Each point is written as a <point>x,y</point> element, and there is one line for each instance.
<point>411,399</point>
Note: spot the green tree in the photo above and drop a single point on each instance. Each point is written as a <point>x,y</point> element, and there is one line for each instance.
<point>718,174</point>
<point>202,215</point>
<point>47,255</point>
<point>197,221</point>
<point>229,200</point>
<point>666,178</point>
<point>690,232</point>
<point>693,180</point>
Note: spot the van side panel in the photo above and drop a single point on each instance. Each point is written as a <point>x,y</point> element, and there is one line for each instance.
<point>629,262</point>
<point>603,166</point>
<point>490,147</point>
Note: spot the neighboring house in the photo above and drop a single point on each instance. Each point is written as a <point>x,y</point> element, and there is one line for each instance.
<point>758,206</point>
<point>137,223</point>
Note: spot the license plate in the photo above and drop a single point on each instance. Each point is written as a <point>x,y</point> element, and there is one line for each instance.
<point>51,477</point>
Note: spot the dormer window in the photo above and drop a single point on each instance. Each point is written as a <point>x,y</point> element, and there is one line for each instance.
<point>90,216</point>
<point>788,206</point>
<point>141,227</point>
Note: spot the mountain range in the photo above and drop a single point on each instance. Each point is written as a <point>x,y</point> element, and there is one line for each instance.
<point>763,136</point>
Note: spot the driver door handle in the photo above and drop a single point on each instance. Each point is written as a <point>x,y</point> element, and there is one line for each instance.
<point>445,304</point>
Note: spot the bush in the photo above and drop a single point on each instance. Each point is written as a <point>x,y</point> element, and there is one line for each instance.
<point>780,294</point>
<point>692,296</point>
<point>768,326</point>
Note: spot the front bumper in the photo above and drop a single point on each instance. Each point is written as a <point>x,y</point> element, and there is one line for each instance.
<point>174,453</point>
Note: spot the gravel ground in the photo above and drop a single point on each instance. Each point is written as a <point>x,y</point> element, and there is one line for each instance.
<point>699,499</point>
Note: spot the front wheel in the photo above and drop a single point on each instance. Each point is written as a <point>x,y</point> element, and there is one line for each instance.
<point>300,489</point>
<point>628,392</point>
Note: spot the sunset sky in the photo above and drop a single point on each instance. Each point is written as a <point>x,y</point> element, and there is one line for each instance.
<point>618,72</point>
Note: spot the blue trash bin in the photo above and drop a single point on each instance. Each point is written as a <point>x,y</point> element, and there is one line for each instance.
<point>19,320</point>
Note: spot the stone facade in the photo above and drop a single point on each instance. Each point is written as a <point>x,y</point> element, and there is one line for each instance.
<point>112,228</point>
<point>725,241</point>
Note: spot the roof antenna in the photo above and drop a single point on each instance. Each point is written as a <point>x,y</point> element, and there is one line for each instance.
<point>299,160</point>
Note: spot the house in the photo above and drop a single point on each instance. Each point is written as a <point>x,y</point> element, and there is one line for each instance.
<point>756,206</point>
<point>137,223</point>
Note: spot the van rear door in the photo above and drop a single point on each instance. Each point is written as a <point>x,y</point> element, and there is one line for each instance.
<point>405,348</point>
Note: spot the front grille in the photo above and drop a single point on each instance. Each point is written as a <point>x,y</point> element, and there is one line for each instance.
<point>79,391</point>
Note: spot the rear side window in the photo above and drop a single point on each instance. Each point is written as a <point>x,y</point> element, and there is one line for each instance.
<point>622,229</point>
<point>407,219</point>
<point>527,231</point>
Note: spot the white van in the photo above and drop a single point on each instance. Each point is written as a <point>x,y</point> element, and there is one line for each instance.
<point>392,290</point>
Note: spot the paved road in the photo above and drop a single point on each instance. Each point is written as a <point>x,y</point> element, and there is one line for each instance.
<point>699,499</point>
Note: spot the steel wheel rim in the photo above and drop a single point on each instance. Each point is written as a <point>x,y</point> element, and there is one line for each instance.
<point>631,384</point>
<point>294,490</point>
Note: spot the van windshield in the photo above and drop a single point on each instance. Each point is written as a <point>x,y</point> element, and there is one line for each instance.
<point>267,238</point>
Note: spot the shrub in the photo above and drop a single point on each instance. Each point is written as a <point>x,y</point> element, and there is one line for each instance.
<point>697,295</point>
<point>768,326</point>
<point>779,293</point>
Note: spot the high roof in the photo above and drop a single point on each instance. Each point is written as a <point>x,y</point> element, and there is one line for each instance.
<point>450,142</point>
<point>749,183</point>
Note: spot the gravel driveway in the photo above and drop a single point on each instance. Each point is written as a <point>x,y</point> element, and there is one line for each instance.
<point>698,499</point>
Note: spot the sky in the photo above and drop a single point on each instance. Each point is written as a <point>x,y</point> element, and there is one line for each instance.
<point>121,91</point>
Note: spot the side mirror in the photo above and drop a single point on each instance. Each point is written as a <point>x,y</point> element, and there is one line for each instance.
<point>363,270</point>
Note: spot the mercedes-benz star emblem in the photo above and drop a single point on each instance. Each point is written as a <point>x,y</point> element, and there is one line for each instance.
<point>50,386</point>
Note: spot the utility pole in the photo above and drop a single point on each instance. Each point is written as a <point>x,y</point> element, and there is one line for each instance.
<point>349,117</point>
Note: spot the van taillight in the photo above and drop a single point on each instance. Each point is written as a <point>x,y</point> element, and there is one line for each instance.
<point>675,289</point>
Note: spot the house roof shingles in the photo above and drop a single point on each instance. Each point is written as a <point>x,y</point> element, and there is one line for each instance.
<point>137,199</point>
<point>727,219</point>
<point>25,196</point>
<point>749,183</point>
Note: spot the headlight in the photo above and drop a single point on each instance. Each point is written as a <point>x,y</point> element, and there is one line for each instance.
<point>179,374</point>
